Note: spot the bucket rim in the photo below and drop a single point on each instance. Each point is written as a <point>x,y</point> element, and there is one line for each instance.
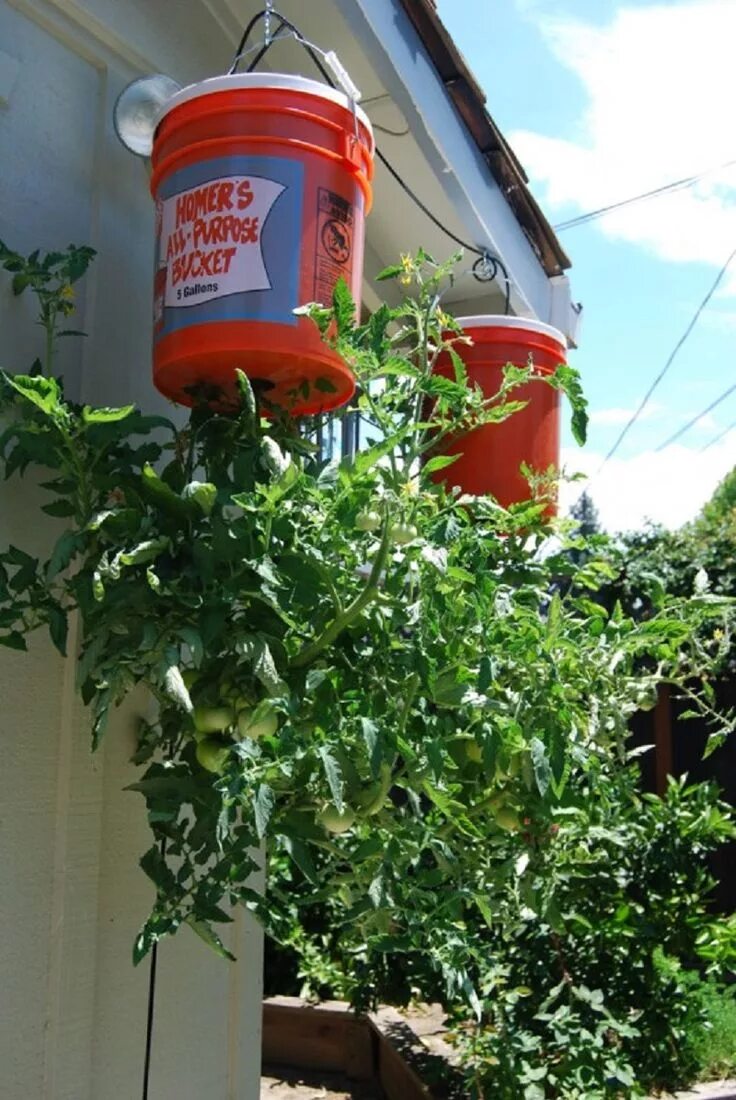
<point>523,324</point>
<point>287,81</point>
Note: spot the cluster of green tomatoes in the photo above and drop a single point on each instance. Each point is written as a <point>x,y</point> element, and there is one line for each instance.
<point>399,534</point>
<point>237,717</point>
<point>234,718</point>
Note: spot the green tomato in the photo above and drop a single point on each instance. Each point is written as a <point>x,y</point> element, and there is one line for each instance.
<point>263,727</point>
<point>367,520</point>
<point>212,755</point>
<point>474,752</point>
<point>190,676</point>
<point>647,697</point>
<point>212,719</point>
<point>512,771</point>
<point>506,819</point>
<point>334,821</point>
<point>402,533</point>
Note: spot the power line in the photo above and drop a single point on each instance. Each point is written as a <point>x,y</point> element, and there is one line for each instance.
<point>667,188</point>
<point>695,419</point>
<point>670,360</point>
<point>719,437</point>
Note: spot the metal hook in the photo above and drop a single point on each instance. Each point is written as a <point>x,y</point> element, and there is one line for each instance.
<point>267,22</point>
<point>485,268</point>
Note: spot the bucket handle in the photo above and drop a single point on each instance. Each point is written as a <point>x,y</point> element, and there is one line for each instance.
<point>338,70</point>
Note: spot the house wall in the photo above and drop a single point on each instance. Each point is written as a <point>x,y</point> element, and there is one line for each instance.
<point>72,1007</point>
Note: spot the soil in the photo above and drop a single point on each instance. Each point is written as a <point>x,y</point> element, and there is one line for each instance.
<point>282,1083</point>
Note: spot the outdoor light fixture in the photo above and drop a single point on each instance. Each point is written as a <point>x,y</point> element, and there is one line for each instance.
<point>136,111</point>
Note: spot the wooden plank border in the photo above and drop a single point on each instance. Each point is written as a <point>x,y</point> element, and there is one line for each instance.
<point>325,1036</point>
<point>381,1046</point>
<point>330,1037</point>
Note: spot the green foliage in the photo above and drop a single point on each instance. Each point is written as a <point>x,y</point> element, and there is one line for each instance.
<point>51,279</point>
<point>577,976</point>
<point>421,723</point>
<point>721,508</point>
<point>697,557</point>
<point>713,1038</point>
<point>695,562</point>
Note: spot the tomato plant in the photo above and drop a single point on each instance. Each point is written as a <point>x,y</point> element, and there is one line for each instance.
<point>381,681</point>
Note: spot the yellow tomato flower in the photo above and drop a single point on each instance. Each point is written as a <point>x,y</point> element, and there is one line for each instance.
<point>407,264</point>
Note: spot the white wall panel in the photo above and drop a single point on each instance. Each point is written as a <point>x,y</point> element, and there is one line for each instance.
<point>72,1008</point>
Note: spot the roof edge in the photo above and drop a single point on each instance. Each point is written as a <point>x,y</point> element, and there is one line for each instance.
<point>470,103</point>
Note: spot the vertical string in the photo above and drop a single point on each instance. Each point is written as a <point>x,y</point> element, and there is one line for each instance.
<point>150,1012</point>
<point>149,1020</point>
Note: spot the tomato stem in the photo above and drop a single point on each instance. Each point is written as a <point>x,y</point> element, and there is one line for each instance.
<point>353,610</point>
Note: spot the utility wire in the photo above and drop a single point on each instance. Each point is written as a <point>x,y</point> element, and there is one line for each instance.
<point>718,438</point>
<point>686,427</point>
<point>667,188</point>
<point>670,360</point>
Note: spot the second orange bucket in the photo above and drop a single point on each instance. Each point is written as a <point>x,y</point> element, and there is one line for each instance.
<point>262,183</point>
<point>492,456</point>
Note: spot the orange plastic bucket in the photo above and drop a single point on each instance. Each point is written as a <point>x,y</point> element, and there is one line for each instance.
<point>493,454</point>
<point>262,183</point>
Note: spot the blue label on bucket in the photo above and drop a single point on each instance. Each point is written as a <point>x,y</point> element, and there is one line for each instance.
<point>228,242</point>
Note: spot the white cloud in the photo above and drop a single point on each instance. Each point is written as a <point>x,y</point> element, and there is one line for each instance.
<point>618,415</point>
<point>669,486</point>
<point>659,80</point>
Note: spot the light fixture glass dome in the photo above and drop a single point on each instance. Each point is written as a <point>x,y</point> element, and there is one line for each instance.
<point>136,110</point>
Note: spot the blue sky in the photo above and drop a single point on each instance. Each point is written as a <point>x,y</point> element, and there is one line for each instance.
<point>602,99</point>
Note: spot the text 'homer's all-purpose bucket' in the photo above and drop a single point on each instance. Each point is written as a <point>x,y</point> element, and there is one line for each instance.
<point>492,455</point>
<point>262,183</point>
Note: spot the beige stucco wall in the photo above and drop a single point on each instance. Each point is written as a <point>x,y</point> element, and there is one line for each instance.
<point>72,1008</point>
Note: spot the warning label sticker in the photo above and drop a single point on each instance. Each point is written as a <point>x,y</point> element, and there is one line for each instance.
<point>334,252</point>
<point>210,240</point>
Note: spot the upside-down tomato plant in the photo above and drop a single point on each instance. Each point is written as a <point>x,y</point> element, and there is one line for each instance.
<point>372,677</point>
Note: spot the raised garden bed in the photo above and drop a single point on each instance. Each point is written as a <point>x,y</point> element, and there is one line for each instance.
<point>327,1051</point>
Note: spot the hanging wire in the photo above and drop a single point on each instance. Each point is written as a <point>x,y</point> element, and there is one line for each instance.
<point>150,1012</point>
<point>656,192</point>
<point>387,130</point>
<point>487,265</point>
<point>718,438</point>
<point>244,38</point>
<point>149,1020</point>
<point>645,400</point>
<point>686,427</point>
<point>670,360</point>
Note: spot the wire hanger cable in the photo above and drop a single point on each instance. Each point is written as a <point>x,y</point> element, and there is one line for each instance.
<point>487,265</point>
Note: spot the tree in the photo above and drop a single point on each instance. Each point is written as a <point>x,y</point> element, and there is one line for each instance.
<point>586,513</point>
<point>721,508</point>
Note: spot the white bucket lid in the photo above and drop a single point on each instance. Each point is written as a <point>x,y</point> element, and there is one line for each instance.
<point>525,324</point>
<point>287,81</point>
